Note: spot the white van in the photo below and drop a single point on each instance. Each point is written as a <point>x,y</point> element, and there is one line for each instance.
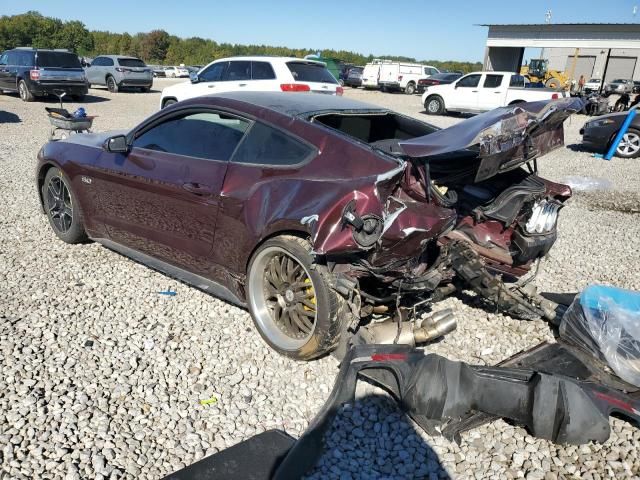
<point>371,73</point>
<point>403,76</point>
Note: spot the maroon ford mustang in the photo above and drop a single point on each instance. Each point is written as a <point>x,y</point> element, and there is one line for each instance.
<point>319,213</point>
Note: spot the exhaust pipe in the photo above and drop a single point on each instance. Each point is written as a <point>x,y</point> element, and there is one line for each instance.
<point>407,333</point>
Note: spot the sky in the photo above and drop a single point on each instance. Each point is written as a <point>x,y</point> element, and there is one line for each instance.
<point>425,30</point>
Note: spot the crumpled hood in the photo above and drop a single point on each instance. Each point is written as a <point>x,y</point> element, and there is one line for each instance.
<point>92,139</point>
<point>504,138</point>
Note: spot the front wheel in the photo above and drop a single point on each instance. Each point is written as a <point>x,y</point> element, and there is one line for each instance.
<point>629,146</point>
<point>553,83</point>
<point>168,102</point>
<point>292,305</point>
<point>62,207</point>
<point>434,105</point>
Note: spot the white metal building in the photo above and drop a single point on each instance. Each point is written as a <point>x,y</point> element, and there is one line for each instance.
<point>620,42</point>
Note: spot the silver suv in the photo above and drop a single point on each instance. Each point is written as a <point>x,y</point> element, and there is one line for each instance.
<point>119,71</point>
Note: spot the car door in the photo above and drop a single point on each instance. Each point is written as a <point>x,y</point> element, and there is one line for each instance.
<point>237,77</point>
<point>92,70</point>
<point>263,77</point>
<point>4,71</point>
<point>491,92</point>
<point>465,93</point>
<point>209,80</point>
<point>162,197</point>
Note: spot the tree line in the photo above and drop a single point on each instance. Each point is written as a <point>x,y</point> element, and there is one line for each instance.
<point>32,29</point>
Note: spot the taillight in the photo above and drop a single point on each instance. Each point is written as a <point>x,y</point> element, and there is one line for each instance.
<point>120,69</point>
<point>555,96</point>
<point>435,82</point>
<point>399,78</point>
<point>34,74</point>
<point>339,90</point>
<point>295,87</point>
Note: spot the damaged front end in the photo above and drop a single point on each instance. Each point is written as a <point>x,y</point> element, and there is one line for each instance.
<point>464,208</point>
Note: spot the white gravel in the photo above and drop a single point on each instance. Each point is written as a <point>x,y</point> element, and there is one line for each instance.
<point>102,377</point>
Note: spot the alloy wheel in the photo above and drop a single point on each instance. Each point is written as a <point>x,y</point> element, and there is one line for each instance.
<point>22,91</point>
<point>59,204</point>
<point>433,106</point>
<point>283,298</point>
<point>629,145</point>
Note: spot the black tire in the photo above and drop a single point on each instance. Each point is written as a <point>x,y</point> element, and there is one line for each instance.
<point>144,89</point>
<point>24,92</point>
<point>169,101</point>
<point>434,105</point>
<point>59,204</point>
<point>323,336</point>
<point>629,146</point>
<point>553,83</point>
<point>112,86</point>
<point>410,89</point>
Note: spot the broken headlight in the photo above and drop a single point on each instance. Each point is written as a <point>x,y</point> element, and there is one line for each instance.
<point>543,217</point>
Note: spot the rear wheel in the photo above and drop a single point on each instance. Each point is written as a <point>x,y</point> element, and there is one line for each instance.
<point>24,92</point>
<point>552,83</point>
<point>168,102</point>
<point>112,86</point>
<point>292,305</point>
<point>629,146</point>
<point>434,105</point>
<point>144,89</point>
<point>62,208</point>
<point>410,89</point>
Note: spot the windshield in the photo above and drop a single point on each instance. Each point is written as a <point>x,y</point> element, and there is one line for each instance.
<point>619,80</point>
<point>131,62</point>
<point>58,59</point>
<point>310,72</point>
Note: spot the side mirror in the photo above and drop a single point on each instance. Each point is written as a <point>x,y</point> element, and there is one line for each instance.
<point>193,76</point>
<point>117,144</point>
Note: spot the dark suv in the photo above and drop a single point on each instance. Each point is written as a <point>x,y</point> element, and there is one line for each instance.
<point>36,72</point>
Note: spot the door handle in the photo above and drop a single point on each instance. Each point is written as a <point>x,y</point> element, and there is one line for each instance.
<point>474,91</point>
<point>197,188</point>
<point>210,86</point>
<point>242,84</point>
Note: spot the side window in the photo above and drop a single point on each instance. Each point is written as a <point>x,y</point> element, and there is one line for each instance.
<point>239,70</point>
<point>262,71</point>
<point>492,81</point>
<point>516,81</point>
<point>12,58</point>
<point>430,71</point>
<point>107,62</point>
<point>265,145</point>
<point>207,135</point>
<point>214,72</point>
<point>97,62</point>
<point>4,59</point>
<point>469,81</point>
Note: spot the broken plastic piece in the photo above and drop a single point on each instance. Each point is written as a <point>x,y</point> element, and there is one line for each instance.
<point>209,401</point>
<point>168,292</point>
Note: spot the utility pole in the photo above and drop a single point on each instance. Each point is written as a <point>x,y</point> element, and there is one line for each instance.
<point>547,20</point>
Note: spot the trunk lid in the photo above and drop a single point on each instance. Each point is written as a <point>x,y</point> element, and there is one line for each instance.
<point>499,140</point>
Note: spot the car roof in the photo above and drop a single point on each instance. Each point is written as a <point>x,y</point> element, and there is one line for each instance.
<point>118,56</point>
<point>295,104</point>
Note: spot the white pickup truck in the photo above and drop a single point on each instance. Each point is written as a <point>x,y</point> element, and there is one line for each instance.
<point>483,91</point>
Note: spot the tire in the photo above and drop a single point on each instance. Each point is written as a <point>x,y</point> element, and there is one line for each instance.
<point>410,89</point>
<point>59,203</point>
<point>169,101</point>
<point>112,86</point>
<point>552,83</point>
<point>434,105</point>
<point>296,331</point>
<point>144,89</point>
<point>23,91</point>
<point>629,146</point>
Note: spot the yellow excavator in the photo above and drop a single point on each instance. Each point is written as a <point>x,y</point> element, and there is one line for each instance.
<point>538,71</point>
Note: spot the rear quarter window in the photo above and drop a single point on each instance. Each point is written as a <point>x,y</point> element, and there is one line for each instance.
<point>265,145</point>
<point>310,72</point>
<point>516,81</point>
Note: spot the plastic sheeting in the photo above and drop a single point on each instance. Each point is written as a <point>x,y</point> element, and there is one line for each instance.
<point>606,321</point>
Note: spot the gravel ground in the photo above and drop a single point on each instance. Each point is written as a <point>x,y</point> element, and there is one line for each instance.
<point>102,377</point>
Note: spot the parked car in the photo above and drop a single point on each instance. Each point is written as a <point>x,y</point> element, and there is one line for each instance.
<point>176,72</point>
<point>592,85</point>
<point>636,86</point>
<point>117,72</point>
<point>193,68</point>
<point>437,79</point>
<point>354,77</point>
<point>482,91</point>
<point>262,74</point>
<point>370,74</point>
<point>39,72</point>
<point>599,132</point>
<point>316,211</point>
<point>620,85</point>
<point>403,76</point>
<point>158,71</point>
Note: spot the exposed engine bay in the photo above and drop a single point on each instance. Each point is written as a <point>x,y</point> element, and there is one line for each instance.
<point>464,209</point>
